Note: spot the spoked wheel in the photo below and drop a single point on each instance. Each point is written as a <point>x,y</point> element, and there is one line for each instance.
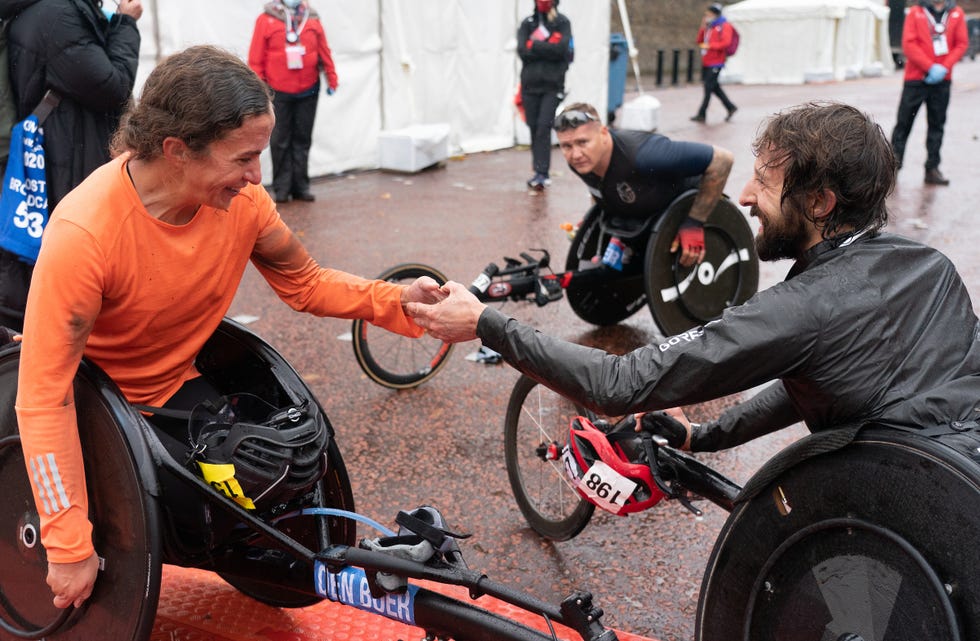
<point>872,542</point>
<point>124,603</point>
<point>535,432</point>
<point>683,297</point>
<point>396,361</point>
<point>612,300</point>
<point>273,576</point>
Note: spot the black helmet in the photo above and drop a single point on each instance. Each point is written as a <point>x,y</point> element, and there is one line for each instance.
<point>277,453</point>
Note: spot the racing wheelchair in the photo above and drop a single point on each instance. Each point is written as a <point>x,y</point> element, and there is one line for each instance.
<point>281,535</point>
<point>846,535</point>
<point>650,275</point>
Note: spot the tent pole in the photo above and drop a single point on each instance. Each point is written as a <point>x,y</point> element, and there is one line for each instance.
<point>624,17</point>
<point>155,12</point>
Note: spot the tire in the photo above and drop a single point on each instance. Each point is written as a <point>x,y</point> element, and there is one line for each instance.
<point>537,417</point>
<point>683,297</point>
<point>872,541</point>
<point>614,300</point>
<point>125,518</point>
<point>393,360</point>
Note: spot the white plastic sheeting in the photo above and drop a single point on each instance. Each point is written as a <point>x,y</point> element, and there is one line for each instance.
<point>400,63</point>
<point>796,41</point>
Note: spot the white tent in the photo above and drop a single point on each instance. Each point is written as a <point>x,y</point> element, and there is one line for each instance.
<point>796,41</point>
<point>400,63</point>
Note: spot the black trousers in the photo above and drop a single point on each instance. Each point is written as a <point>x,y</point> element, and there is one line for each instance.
<point>709,76</point>
<point>539,112</point>
<point>936,97</point>
<point>15,278</point>
<point>291,141</point>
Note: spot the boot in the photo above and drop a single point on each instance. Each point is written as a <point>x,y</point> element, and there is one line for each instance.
<point>935,177</point>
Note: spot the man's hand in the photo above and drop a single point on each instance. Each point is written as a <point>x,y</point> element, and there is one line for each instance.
<point>132,8</point>
<point>453,319</point>
<point>690,240</point>
<point>671,424</point>
<point>72,583</point>
<point>422,290</point>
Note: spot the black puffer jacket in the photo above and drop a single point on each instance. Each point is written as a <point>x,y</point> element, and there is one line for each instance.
<point>70,46</point>
<point>880,330</point>
<point>546,61</point>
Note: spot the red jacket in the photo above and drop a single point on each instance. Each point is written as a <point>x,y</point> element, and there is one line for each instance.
<point>267,53</point>
<point>719,37</point>
<point>917,42</point>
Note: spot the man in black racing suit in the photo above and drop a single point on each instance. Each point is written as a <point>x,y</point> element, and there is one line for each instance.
<point>635,175</point>
<point>867,327</point>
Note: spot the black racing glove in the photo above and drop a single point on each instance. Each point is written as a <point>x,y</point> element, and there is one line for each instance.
<point>661,423</point>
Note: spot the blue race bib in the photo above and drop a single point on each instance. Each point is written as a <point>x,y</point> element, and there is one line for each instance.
<point>24,199</point>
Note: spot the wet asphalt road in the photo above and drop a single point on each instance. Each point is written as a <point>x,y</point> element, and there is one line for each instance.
<point>442,444</point>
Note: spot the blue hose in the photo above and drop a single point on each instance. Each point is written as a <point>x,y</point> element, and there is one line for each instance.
<point>329,511</point>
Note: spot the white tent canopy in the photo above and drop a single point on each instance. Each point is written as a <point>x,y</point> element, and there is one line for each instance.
<point>400,63</point>
<point>791,42</point>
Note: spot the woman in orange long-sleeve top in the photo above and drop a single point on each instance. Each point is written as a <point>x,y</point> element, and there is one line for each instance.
<point>140,263</point>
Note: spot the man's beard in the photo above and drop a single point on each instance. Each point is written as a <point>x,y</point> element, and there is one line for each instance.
<point>782,238</point>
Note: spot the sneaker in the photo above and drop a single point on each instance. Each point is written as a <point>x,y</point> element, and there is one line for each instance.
<point>935,177</point>
<point>731,112</point>
<point>697,118</point>
<point>538,182</point>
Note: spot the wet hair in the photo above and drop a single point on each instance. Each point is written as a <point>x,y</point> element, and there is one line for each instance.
<point>830,145</point>
<point>198,96</point>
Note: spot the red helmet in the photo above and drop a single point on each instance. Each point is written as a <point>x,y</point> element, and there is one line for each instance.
<point>602,472</point>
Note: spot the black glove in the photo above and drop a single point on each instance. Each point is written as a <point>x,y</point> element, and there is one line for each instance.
<point>661,423</point>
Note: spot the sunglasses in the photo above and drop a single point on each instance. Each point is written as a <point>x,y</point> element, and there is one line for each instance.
<point>572,119</point>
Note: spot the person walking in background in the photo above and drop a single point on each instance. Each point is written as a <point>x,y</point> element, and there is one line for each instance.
<point>544,44</point>
<point>288,51</point>
<point>88,58</point>
<point>934,39</point>
<point>714,38</point>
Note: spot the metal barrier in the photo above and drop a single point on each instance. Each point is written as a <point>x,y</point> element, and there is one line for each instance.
<point>675,69</point>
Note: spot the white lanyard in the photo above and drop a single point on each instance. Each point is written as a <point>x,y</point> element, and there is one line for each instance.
<point>292,36</point>
<point>937,29</point>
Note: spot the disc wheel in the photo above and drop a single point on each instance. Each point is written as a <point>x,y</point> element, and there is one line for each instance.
<point>393,360</point>
<point>870,544</point>
<point>126,530</point>
<point>683,297</point>
<point>535,431</point>
<point>613,300</point>
<point>265,583</point>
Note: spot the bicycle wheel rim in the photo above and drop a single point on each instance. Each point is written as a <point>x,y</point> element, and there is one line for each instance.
<point>537,417</point>
<point>393,360</point>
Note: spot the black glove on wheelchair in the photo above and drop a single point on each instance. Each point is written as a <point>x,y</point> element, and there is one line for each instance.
<point>662,424</point>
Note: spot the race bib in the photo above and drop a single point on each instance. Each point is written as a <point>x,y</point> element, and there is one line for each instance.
<point>294,56</point>
<point>605,487</point>
<point>24,196</point>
